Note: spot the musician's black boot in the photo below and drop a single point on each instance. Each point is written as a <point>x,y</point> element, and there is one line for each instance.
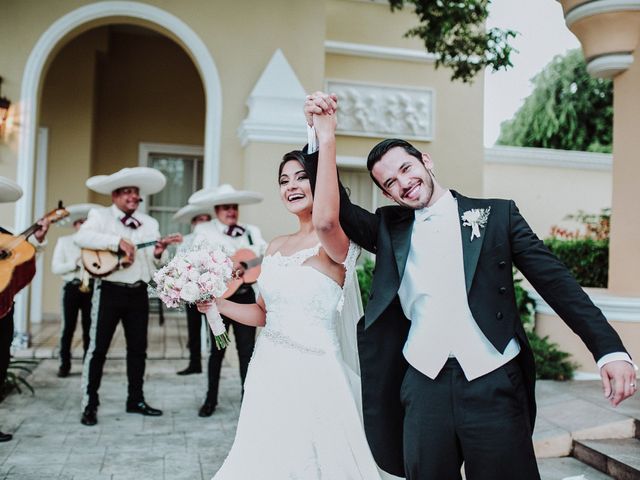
<point>207,408</point>
<point>191,369</point>
<point>89,416</point>
<point>64,370</point>
<point>5,437</point>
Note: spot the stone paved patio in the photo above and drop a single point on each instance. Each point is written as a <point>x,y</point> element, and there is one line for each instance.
<point>50,442</point>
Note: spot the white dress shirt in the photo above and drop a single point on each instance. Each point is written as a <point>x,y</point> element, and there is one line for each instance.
<point>434,297</point>
<point>214,232</point>
<point>104,229</point>
<point>66,257</point>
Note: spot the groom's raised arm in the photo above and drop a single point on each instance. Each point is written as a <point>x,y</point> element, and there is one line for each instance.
<point>359,224</point>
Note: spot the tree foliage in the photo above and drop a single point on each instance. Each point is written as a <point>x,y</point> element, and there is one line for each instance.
<point>455,32</point>
<point>568,110</point>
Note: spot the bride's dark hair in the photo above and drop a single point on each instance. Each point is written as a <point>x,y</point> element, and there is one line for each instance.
<point>309,164</point>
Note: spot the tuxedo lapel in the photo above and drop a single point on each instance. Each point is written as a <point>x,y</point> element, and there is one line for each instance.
<point>401,238</point>
<point>470,248</point>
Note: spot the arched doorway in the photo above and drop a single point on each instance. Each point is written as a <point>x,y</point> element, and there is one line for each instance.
<point>61,33</point>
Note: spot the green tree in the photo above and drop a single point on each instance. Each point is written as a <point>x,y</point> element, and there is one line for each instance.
<point>568,110</point>
<point>456,33</point>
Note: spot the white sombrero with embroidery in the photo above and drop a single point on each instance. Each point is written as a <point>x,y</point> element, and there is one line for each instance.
<point>77,211</point>
<point>10,191</point>
<point>224,194</point>
<point>148,180</point>
<point>188,212</point>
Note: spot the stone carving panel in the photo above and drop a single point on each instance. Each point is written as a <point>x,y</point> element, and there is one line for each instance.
<point>384,111</point>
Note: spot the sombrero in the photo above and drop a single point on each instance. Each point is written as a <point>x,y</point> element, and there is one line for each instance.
<point>224,194</point>
<point>10,191</point>
<point>186,213</point>
<point>148,180</point>
<point>77,212</point>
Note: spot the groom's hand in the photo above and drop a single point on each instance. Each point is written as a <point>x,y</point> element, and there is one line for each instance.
<point>319,103</point>
<point>618,380</point>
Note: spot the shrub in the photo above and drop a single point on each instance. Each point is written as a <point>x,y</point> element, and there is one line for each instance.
<point>587,259</point>
<point>584,251</point>
<point>365,277</point>
<point>15,380</point>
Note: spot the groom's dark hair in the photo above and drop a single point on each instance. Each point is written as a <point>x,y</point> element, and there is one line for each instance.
<point>383,147</point>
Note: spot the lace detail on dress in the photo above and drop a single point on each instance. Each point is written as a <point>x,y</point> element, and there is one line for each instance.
<point>298,258</point>
<point>349,269</point>
<point>281,339</point>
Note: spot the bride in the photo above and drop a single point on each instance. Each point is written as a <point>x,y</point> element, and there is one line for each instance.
<point>300,416</point>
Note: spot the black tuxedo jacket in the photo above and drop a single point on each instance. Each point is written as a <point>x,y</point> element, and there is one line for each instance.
<point>506,240</point>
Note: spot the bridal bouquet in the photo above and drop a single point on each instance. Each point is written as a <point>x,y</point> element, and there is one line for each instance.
<point>198,274</point>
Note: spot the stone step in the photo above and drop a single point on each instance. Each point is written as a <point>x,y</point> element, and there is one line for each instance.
<point>568,468</point>
<point>619,458</point>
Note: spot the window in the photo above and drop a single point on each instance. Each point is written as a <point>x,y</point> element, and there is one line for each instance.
<point>182,165</point>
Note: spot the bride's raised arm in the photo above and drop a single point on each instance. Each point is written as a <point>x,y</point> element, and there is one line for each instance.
<point>326,198</point>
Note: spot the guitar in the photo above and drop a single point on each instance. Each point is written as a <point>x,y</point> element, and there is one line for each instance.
<point>17,259</point>
<point>100,263</point>
<point>251,264</point>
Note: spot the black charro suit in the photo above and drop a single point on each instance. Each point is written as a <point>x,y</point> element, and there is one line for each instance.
<point>505,241</point>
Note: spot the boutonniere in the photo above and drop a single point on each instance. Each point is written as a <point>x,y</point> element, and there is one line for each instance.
<point>475,218</point>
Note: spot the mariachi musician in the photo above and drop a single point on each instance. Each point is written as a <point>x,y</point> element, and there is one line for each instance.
<point>11,192</point>
<point>224,230</point>
<point>76,297</point>
<point>121,295</point>
<point>194,215</point>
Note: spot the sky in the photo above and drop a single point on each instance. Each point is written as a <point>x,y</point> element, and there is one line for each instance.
<point>543,34</point>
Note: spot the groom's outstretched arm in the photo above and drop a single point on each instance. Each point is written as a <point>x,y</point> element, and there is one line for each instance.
<point>359,224</point>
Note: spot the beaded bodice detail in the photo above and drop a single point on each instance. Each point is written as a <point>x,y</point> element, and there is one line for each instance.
<point>302,303</point>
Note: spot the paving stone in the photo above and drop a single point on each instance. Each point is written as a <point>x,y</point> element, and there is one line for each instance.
<point>568,468</point>
<point>585,420</point>
<point>618,457</point>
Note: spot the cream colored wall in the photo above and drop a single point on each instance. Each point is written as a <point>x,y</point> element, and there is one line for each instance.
<point>457,147</point>
<point>67,112</point>
<point>98,112</point>
<point>545,195</point>
<point>148,91</point>
<point>241,37</point>
<point>624,260</point>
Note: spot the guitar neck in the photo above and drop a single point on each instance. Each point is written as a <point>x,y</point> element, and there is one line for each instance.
<point>253,263</point>
<point>146,244</point>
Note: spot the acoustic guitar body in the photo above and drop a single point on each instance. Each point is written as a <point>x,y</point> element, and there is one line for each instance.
<point>19,255</point>
<point>251,263</point>
<point>17,270</point>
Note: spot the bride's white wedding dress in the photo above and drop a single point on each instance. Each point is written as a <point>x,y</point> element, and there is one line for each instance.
<point>300,419</point>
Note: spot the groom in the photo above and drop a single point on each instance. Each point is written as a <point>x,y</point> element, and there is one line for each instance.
<point>446,367</point>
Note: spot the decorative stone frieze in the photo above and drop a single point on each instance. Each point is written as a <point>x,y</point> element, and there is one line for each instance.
<point>368,110</point>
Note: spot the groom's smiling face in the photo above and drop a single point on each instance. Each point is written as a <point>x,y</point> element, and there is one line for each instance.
<point>404,178</point>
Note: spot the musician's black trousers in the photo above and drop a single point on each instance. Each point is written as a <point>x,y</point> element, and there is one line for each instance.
<point>113,303</point>
<point>6,337</point>
<point>194,325</point>
<point>245,338</point>
<point>74,301</point>
<point>483,422</point>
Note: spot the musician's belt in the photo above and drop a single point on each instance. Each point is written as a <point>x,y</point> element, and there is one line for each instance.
<point>138,284</point>
<point>76,282</point>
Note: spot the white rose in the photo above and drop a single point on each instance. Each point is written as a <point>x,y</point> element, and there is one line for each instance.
<point>190,292</point>
<point>193,275</point>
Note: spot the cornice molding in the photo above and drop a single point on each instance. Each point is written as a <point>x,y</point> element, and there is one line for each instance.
<point>379,52</point>
<point>547,157</point>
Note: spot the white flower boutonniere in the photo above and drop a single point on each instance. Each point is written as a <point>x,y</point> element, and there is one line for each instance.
<point>476,219</point>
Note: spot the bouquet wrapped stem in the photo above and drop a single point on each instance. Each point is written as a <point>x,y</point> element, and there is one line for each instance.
<point>217,327</point>
<point>197,275</point>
